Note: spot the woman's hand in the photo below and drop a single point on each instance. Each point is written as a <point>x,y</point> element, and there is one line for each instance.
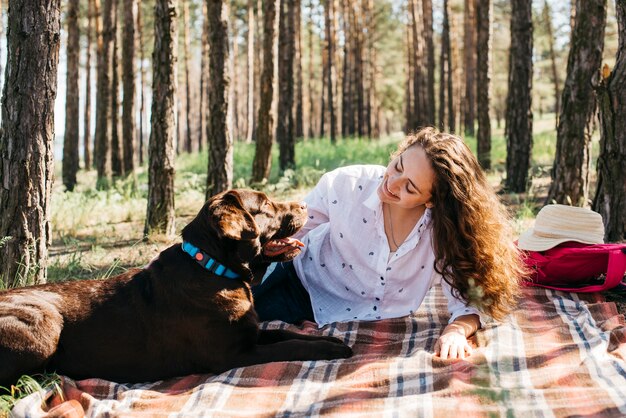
<point>453,341</point>
<point>452,344</point>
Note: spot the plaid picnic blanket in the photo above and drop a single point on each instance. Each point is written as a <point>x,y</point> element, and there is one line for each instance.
<point>559,355</point>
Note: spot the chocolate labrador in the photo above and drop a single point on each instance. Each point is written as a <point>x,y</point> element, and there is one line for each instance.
<point>189,311</point>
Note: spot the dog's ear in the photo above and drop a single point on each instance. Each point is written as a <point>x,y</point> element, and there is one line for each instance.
<point>230,219</point>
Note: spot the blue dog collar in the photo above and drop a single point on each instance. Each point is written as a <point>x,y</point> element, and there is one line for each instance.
<point>207,262</point>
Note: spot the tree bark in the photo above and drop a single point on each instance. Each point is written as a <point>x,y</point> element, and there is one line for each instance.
<point>220,170</point>
<point>547,18</point>
<point>483,81</point>
<point>572,163</point>
<point>429,51</point>
<point>26,156</point>
<point>519,116</point>
<point>87,112</point>
<point>233,71</point>
<point>347,127</point>
<point>330,71</point>
<point>311,115</point>
<point>610,199</point>
<point>102,147</point>
<point>298,98</point>
<point>117,154</point>
<point>420,113</point>
<point>408,101</point>
<point>445,73</point>
<point>70,142</point>
<point>160,212</point>
<point>186,42</point>
<point>202,113</point>
<point>250,64</point>
<point>284,124</point>
<point>263,154</point>
<point>142,83</point>
<point>128,77</point>
<point>1,32</point>
<point>469,54</point>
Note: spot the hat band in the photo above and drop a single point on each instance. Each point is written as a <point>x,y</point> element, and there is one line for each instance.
<point>585,237</point>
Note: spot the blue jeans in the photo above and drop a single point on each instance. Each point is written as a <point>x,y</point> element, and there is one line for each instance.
<point>282,296</point>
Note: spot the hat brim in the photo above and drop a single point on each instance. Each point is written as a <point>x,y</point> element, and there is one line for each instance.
<point>530,242</point>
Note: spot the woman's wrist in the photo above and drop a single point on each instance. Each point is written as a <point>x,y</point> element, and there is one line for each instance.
<point>466,325</point>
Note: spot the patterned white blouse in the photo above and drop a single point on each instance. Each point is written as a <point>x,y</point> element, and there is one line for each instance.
<point>346,265</point>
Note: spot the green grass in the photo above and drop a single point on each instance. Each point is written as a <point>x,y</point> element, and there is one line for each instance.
<point>24,387</point>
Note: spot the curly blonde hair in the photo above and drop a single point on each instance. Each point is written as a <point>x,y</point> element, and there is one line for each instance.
<point>472,233</point>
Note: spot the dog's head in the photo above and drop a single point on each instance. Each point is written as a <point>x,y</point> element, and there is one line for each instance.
<point>246,230</point>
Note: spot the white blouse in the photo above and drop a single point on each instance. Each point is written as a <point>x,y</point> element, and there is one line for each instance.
<point>346,265</point>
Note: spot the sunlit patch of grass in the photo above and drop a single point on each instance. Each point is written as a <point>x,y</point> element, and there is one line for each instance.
<point>25,386</point>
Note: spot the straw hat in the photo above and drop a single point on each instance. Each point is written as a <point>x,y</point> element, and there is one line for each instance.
<point>556,224</point>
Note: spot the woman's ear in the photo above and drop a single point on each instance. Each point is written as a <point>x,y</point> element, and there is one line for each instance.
<point>429,205</point>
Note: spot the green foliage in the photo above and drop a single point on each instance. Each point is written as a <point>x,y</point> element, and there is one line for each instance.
<point>24,387</point>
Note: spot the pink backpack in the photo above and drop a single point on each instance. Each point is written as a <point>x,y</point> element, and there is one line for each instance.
<point>575,267</point>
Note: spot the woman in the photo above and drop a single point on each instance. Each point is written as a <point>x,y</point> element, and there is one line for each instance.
<point>377,239</point>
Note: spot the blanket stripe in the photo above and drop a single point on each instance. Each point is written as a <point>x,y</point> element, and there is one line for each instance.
<point>560,354</point>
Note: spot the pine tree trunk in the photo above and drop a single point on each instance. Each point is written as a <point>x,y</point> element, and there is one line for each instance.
<point>186,42</point>
<point>346,99</point>
<point>233,71</point>
<point>128,77</point>
<point>610,199</point>
<point>430,60</point>
<point>284,124</point>
<point>483,81</point>
<point>359,84</point>
<point>117,156</point>
<point>102,147</point>
<point>445,73</point>
<point>469,54</point>
<point>27,138</point>
<point>547,18</point>
<point>408,101</point>
<point>311,115</point>
<point>1,32</point>
<point>298,98</point>
<point>519,116</point>
<point>142,83</point>
<point>202,113</point>
<point>87,112</point>
<point>324,90</point>
<point>250,64</point>
<point>330,71</point>
<point>160,213</point>
<point>572,163</point>
<point>220,170</point>
<point>70,142</point>
<point>263,155</point>
<point>419,118</point>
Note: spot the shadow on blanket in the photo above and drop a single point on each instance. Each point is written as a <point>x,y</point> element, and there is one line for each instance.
<point>561,352</point>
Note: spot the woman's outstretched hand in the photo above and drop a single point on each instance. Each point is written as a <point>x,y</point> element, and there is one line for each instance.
<point>453,344</point>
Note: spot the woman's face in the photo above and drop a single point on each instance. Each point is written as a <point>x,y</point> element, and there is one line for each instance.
<point>409,180</point>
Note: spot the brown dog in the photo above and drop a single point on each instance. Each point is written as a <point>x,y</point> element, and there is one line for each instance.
<point>189,311</point>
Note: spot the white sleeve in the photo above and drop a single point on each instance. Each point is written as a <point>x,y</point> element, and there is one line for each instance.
<point>458,307</point>
<point>317,205</point>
